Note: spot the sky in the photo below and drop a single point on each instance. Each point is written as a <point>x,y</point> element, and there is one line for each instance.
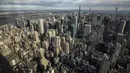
<point>64,4</point>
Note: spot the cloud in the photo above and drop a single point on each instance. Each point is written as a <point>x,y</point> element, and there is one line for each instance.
<point>18,1</point>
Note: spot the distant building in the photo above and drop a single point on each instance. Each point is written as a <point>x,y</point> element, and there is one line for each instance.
<point>87,29</point>
<point>94,20</point>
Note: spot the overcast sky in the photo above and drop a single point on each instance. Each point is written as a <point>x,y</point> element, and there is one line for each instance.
<point>64,4</point>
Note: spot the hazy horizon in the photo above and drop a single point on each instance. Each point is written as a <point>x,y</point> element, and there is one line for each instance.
<point>123,5</point>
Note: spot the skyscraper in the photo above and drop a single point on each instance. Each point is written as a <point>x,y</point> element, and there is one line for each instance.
<point>87,30</point>
<point>122,27</point>
<point>41,29</point>
<point>79,14</point>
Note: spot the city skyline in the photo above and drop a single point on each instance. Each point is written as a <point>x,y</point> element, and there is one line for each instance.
<point>64,4</point>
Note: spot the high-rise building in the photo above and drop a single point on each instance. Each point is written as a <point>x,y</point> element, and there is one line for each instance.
<point>45,44</point>
<point>122,27</point>
<point>41,27</point>
<point>116,54</point>
<point>105,66</point>
<point>87,30</point>
<point>123,47</point>
<point>100,33</point>
<point>99,20</point>
<point>74,30</point>
<point>57,41</point>
<point>36,36</point>
<point>46,26</point>
<point>57,50</point>
<point>66,48</point>
<point>76,21</point>
<point>62,41</point>
<point>52,33</point>
<point>94,20</point>
<point>79,14</point>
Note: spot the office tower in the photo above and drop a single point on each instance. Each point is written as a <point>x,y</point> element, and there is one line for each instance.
<point>53,32</point>
<point>49,33</point>
<point>93,37</point>
<point>32,25</point>
<point>71,43</point>
<point>79,14</point>
<point>94,20</point>
<point>49,36</point>
<point>27,23</point>
<point>41,27</point>
<point>54,19</point>
<point>100,33</point>
<point>49,19</point>
<point>90,15</point>
<point>45,44</point>
<point>43,60</point>
<point>105,66</point>
<point>57,51</point>
<point>99,20</point>
<point>76,27</point>
<point>123,47</point>
<point>17,22</point>
<point>116,54</point>
<point>122,27</point>
<point>62,20</point>
<point>74,30</point>
<point>102,29</point>
<point>63,17</point>
<point>36,36</point>
<point>115,16</point>
<point>62,41</point>
<point>68,35</point>
<point>62,30</point>
<point>57,41</point>
<point>46,26</point>
<point>32,28</point>
<point>87,29</point>
<point>76,22</point>
<point>58,26</point>
<point>66,48</point>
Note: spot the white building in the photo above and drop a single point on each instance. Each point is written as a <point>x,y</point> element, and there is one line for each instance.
<point>41,27</point>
